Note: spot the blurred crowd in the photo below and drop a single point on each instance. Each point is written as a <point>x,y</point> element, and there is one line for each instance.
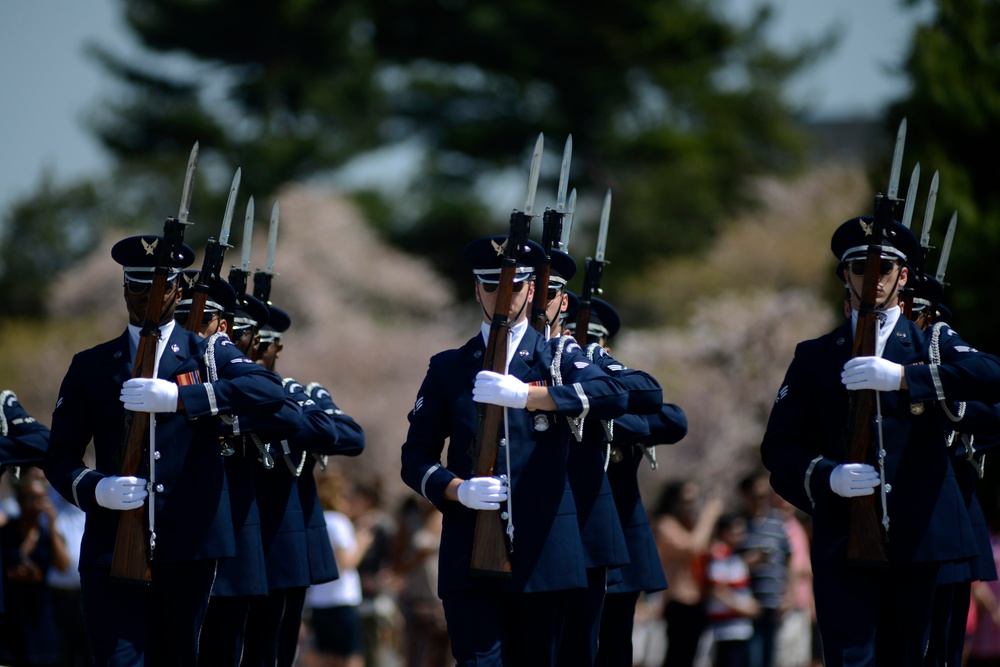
<point>738,571</point>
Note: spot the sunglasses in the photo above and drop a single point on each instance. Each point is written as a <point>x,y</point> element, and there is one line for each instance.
<point>553,292</point>
<point>885,267</point>
<point>490,288</point>
<point>141,287</point>
<point>206,318</point>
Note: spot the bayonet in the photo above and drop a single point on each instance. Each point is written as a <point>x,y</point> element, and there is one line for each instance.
<point>272,240</point>
<point>186,193</point>
<point>568,221</point>
<point>564,175</point>
<point>946,248</point>
<point>602,234</point>
<point>911,196</point>
<point>247,237</point>
<point>925,230</point>
<point>227,218</point>
<point>536,168</point>
<point>897,161</point>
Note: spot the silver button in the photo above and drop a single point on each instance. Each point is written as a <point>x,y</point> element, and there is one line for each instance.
<point>156,455</point>
<point>888,488</point>
<point>159,488</point>
<point>504,515</point>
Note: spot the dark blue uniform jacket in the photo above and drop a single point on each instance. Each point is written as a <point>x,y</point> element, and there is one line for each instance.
<point>806,439</point>
<point>192,512</point>
<point>547,550</point>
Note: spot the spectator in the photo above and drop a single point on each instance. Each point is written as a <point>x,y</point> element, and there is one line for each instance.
<point>683,536</point>
<point>334,616</point>
<point>30,546</point>
<point>427,643</point>
<point>730,605</point>
<point>766,552</point>
<point>374,525</point>
<point>74,648</point>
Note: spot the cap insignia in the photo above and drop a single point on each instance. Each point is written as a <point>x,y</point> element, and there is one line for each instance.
<point>500,247</point>
<point>149,247</point>
<point>867,227</point>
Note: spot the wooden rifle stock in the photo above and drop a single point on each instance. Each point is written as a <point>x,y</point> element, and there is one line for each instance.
<point>591,285</point>
<point>866,540</point>
<point>551,233</point>
<point>490,555</point>
<point>130,562</point>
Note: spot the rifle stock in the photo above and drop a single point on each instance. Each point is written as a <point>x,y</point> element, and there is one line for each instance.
<point>591,285</point>
<point>210,269</point>
<point>490,555</point>
<point>866,540</point>
<point>130,562</point>
<point>551,234</point>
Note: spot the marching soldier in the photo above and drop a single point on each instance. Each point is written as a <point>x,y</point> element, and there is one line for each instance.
<point>242,580</point>
<point>649,422</point>
<point>868,613</point>
<point>297,549</point>
<point>189,514</point>
<point>494,620</point>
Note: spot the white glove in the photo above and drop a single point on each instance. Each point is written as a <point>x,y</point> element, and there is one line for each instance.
<point>851,480</point>
<point>872,373</point>
<point>149,395</point>
<point>482,493</point>
<point>505,390</point>
<point>121,493</point>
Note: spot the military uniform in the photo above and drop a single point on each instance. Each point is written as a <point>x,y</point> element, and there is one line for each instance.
<point>296,554</point>
<point>128,625</point>
<point>601,529</point>
<point>519,621</point>
<point>864,611</point>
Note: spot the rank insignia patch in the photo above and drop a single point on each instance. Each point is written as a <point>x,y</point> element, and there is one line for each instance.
<point>782,393</point>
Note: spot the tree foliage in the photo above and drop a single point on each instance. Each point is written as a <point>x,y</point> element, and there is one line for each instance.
<point>668,103</point>
<point>952,112</point>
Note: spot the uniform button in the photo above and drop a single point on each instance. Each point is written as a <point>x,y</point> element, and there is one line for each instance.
<point>159,488</point>
<point>888,488</point>
<point>156,455</point>
<point>504,515</point>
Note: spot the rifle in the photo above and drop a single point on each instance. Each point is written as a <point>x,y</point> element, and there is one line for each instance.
<point>866,541</point>
<point>552,231</point>
<point>211,266</point>
<point>592,273</point>
<point>490,555</point>
<point>262,279</point>
<point>906,293</point>
<point>130,562</point>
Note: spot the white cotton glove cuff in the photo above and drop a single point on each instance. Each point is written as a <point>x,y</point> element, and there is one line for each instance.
<point>482,493</point>
<point>505,390</point>
<point>121,493</point>
<point>149,395</point>
<point>872,373</point>
<point>851,480</point>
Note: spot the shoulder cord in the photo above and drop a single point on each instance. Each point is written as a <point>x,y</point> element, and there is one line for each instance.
<point>151,484</point>
<point>608,424</point>
<point>323,459</point>
<point>212,370</point>
<point>881,463</point>
<point>575,424</point>
<point>286,451</point>
<point>935,358</point>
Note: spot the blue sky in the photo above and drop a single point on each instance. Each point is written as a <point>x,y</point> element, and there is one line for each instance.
<point>47,85</point>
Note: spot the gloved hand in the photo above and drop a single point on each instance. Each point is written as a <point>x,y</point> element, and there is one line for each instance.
<point>851,480</point>
<point>121,493</point>
<point>149,395</point>
<point>872,373</point>
<point>482,493</point>
<point>505,390</point>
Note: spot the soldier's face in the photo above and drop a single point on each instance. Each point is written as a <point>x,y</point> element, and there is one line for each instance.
<point>269,353</point>
<point>887,284</point>
<point>137,301</point>
<point>518,301</point>
<point>557,302</point>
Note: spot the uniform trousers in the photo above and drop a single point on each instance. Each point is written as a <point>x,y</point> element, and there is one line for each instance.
<point>273,628</point>
<point>583,621</point>
<point>495,629</point>
<point>131,625</point>
<point>224,631</point>
<point>617,620</point>
<point>869,614</point>
<point>950,617</point>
